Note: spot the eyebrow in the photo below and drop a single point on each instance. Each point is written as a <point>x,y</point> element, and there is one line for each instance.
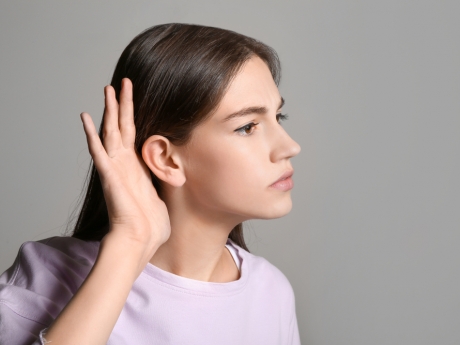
<point>251,110</point>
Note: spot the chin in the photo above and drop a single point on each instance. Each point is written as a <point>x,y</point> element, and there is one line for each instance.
<point>277,210</point>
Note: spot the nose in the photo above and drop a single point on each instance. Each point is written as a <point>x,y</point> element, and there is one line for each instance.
<point>284,147</point>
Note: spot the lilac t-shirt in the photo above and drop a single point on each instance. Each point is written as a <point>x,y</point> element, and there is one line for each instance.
<point>161,308</point>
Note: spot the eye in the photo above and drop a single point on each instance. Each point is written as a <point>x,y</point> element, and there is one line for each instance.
<point>249,128</point>
<point>282,117</point>
<point>242,130</point>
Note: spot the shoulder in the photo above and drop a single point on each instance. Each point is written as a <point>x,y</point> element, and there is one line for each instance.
<point>266,276</point>
<point>271,274</point>
<point>82,252</point>
<point>43,278</point>
<point>55,256</point>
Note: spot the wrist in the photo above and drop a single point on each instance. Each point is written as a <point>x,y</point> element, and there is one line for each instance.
<point>125,252</point>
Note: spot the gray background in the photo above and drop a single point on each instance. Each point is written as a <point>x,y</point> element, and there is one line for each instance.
<point>371,246</point>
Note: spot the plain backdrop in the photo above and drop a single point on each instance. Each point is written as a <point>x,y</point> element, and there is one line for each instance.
<point>372,89</point>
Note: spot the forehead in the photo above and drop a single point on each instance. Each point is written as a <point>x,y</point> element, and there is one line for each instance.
<point>253,85</point>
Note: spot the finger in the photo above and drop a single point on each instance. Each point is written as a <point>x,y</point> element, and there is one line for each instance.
<point>126,118</point>
<point>110,132</point>
<point>95,147</point>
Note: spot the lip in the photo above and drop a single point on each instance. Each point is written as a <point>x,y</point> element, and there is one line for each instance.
<point>286,175</point>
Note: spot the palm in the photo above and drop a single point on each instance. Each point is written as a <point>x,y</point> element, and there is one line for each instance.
<point>134,208</point>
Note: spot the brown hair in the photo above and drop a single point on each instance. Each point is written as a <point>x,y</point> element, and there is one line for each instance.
<point>180,72</point>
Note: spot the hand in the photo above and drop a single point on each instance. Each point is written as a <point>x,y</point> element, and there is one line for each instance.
<point>136,213</point>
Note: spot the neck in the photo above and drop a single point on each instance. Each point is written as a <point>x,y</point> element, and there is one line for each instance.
<point>196,247</point>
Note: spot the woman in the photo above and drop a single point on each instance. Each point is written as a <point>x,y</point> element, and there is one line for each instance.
<point>190,146</point>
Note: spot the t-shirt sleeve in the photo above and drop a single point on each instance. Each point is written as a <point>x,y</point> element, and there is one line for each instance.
<point>294,337</point>
<point>293,329</point>
<point>276,282</point>
<point>43,278</point>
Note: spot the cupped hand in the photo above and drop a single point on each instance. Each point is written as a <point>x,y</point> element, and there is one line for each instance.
<point>136,213</point>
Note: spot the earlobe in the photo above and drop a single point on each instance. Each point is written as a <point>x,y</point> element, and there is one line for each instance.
<point>162,159</point>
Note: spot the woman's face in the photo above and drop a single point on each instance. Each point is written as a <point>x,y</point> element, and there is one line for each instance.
<point>229,165</point>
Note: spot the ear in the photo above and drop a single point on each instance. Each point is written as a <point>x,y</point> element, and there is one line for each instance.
<point>163,160</point>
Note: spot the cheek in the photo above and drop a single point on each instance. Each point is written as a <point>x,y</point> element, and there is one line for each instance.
<point>233,177</point>
<point>224,176</point>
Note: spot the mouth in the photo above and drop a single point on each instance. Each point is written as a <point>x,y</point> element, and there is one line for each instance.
<point>284,181</point>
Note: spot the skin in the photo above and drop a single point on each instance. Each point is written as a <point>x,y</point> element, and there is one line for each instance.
<point>222,177</point>
<point>217,181</point>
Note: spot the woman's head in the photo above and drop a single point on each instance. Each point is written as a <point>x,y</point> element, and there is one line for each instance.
<point>179,73</point>
<point>186,78</point>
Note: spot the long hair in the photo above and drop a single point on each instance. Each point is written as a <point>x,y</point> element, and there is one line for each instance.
<point>180,72</point>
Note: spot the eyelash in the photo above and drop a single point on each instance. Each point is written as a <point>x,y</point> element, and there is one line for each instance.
<point>282,117</point>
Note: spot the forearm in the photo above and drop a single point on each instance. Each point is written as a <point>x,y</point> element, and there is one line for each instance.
<point>91,314</point>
